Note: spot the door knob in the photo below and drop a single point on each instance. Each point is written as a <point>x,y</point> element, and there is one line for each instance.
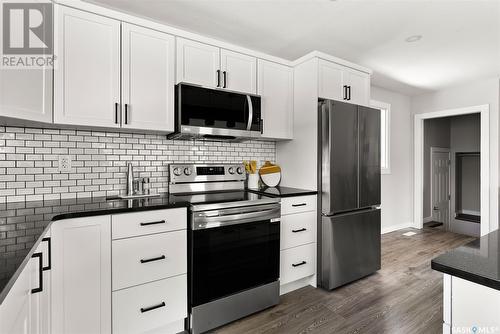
<point>436,208</point>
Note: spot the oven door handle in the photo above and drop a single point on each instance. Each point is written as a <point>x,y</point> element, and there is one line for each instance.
<point>233,219</point>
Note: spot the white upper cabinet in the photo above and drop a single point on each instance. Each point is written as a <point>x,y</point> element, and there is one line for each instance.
<point>358,84</point>
<point>198,63</point>
<point>148,79</point>
<point>87,73</point>
<point>331,80</point>
<point>337,82</point>
<point>26,94</point>
<point>239,71</point>
<point>275,86</point>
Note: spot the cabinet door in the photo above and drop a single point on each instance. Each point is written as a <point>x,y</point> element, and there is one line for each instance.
<point>359,85</point>
<point>26,94</point>
<point>369,157</point>
<point>15,309</point>
<point>40,302</point>
<point>87,73</point>
<point>198,63</point>
<point>147,79</point>
<point>331,80</point>
<point>81,275</point>
<point>275,86</point>
<point>239,71</point>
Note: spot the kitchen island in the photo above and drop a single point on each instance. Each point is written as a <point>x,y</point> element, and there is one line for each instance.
<point>471,286</point>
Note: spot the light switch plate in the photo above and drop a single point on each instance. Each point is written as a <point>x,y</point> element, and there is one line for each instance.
<point>64,163</point>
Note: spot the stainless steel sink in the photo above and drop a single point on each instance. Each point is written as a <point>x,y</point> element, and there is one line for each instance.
<point>109,198</point>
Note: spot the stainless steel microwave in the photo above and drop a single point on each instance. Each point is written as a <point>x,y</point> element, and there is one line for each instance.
<point>216,114</point>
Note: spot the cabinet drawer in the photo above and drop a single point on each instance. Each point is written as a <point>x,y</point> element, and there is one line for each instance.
<point>148,222</point>
<point>298,229</point>
<point>148,258</point>
<point>147,307</point>
<point>298,204</point>
<point>297,263</point>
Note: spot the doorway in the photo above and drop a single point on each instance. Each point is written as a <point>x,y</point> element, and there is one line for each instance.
<point>440,190</point>
<point>455,206</point>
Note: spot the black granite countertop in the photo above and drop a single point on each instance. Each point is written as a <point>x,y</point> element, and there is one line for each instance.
<point>23,224</point>
<point>282,191</point>
<point>477,261</point>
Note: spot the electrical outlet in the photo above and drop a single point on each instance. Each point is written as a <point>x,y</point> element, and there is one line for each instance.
<point>64,163</point>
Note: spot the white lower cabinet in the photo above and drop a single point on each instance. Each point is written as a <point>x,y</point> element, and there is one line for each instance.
<point>81,275</point>
<point>467,305</point>
<point>26,309</point>
<point>157,307</point>
<point>298,243</point>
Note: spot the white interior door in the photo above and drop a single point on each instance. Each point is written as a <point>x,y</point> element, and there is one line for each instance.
<point>147,79</point>
<point>440,185</point>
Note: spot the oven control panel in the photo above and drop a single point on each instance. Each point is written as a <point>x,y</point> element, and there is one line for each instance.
<point>188,173</point>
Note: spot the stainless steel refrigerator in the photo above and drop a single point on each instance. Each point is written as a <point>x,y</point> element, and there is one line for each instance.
<point>349,182</point>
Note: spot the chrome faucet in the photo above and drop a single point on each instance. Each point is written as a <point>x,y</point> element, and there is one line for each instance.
<point>130,179</point>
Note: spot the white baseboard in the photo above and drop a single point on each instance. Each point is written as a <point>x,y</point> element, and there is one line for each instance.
<point>427,219</point>
<point>393,228</point>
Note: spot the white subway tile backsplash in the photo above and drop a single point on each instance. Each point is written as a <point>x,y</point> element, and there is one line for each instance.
<point>29,161</point>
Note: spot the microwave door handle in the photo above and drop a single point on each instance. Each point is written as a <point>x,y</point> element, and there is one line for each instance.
<point>250,113</point>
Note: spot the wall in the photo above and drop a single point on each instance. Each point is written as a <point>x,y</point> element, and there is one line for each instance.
<point>29,161</point>
<point>397,193</point>
<point>479,92</point>
<point>436,134</point>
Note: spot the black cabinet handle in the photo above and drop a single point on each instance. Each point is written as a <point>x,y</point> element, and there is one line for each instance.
<point>153,259</point>
<point>147,309</point>
<point>345,92</point>
<point>261,126</point>
<point>218,78</point>
<point>349,93</point>
<point>40,273</point>
<point>301,204</point>
<point>49,247</point>
<point>298,264</point>
<point>126,113</point>
<point>225,79</point>
<point>116,113</point>
<point>153,223</point>
<point>299,230</point>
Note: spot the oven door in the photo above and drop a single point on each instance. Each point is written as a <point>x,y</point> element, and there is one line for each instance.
<point>207,112</point>
<point>233,257</point>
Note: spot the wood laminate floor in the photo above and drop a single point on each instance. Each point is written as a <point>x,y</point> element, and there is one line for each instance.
<point>405,296</point>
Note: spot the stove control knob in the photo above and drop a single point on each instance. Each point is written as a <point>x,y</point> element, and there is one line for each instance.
<point>177,171</point>
<point>240,170</point>
<point>231,170</point>
<point>187,171</point>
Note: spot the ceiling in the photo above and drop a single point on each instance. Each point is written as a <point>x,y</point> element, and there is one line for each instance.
<point>460,39</point>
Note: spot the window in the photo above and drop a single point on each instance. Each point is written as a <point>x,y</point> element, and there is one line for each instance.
<point>385,129</point>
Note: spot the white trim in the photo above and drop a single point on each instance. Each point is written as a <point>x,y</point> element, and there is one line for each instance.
<point>440,150</point>
<point>386,106</point>
<point>327,57</point>
<point>393,228</point>
<point>418,160</point>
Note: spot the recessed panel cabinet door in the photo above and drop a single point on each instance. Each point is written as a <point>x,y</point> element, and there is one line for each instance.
<point>239,71</point>
<point>359,84</point>
<point>148,79</point>
<point>331,80</point>
<point>81,275</point>
<point>87,74</point>
<point>198,63</point>
<point>275,86</point>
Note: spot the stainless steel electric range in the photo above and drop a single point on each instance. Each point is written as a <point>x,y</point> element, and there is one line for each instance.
<point>234,240</point>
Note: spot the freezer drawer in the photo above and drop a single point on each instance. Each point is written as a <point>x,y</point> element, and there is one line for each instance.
<point>350,247</point>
